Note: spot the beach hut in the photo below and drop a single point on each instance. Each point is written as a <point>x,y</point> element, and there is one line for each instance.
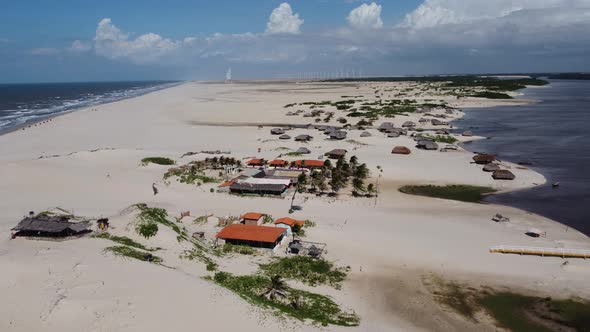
<point>449,147</point>
<point>338,135</point>
<point>303,138</point>
<point>284,137</point>
<point>257,188</point>
<point>295,247</point>
<point>423,120</point>
<point>256,162</point>
<point>252,218</point>
<point>437,122</point>
<point>385,126</point>
<point>426,144</point>
<point>503,174</point>
<point>467,133</point>
<point>253,236</point>
<point>441,132</point>
<point>483,158</point>
<point>277,131</point>
<point>409,124</point>
<point>393,134</point>
<point>303,150</point>
<point>401,150</point>
<point>336,154</point>
<point>288,224</point>
<point>366,134</point>
<point>491,167</point>
<point>50,226</point>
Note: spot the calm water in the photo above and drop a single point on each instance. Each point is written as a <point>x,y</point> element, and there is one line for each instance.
<point>23,103</point>
<point>555,136</point>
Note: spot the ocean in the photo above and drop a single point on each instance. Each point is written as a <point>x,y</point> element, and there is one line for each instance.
<point>25,103</point>
<point>554,136</point>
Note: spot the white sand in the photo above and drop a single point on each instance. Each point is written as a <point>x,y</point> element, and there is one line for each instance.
<point>392,243</point>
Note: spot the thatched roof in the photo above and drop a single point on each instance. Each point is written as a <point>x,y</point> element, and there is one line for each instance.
<point>338,134</point>
<point>284,136</point>
<point>422,120</point>
<point>401,150</point>
<point>385,126</point>
<point>484,158</point>
<point>366,134</point>
<point>408,124</point>
<point>303,138</point>
<point>437,122</point>
<point>393,134</point>
<point>51,226</point>
<point>303,150</point>
<point>427,144</point>
<point>277,131</point>
<point>491,167</point>
<point>336,153</point>
<point>503,174</point>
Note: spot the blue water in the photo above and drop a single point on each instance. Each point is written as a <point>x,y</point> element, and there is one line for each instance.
<point>554,135</point>
<point>24,103</point>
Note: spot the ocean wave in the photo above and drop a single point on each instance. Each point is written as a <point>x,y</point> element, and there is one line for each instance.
<point>56,105</point>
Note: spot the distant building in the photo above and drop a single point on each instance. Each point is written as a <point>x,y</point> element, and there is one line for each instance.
<point>252,218</point>
<point>254,236</point>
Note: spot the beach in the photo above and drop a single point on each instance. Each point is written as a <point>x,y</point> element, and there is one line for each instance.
<point>89,162</point>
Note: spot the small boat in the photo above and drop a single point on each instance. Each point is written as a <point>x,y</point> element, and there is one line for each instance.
<point>555,184</point>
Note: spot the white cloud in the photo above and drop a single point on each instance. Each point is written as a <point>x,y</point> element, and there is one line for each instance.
<point>45,51</point>
<point>112,43</point>
<point>366,16</point>
<point>282,20</point>
<point>80,46</point>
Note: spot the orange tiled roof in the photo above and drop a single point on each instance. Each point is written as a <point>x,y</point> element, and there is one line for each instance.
<point>251,233</point>
<point>309,163</point>
<point>252,216</point>
<point>256,161</point>
<point>289,221</point>
<point>278,162</point>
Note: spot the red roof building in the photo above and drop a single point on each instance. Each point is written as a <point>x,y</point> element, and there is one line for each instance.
<point>255,236</point>
<point>256,162</point>
<point>289,221</point>
<point>252,218</point>
<point>278,163</point>
<point>309,163</point>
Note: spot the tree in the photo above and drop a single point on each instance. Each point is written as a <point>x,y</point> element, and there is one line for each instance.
<point>277,287</point>
<point>371,188</point>
<point>301,181</point>
<point>318,180</point>
<point>358,184</point>
<point>328,164</point>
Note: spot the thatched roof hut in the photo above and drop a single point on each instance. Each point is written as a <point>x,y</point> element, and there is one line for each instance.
<point>385,126</point>
<point>401,150</point>
<point>336,154</point>
<point>491,167</point>
<point>393,134</point>
<point>437,122</point>
<point>366,134</point>
<point>423,120</point>
<point>427,144</point>
<point>277,131</point>
<point>50,226</point>
<point>409,124</point>
<point>303,150</point>
<point>503,174</point>
<point>484,158</point>
<point>338,134</point>
<point>284,136</point>
<point>303,138</point>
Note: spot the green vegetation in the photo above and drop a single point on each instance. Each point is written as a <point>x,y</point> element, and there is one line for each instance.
<point>198,253</point>
<point>239,249</point>
<point>491,95</point>
<point>123,240</point>
<point>273,293</point>
<point>201,219</point>
<point>149,218</point>
<point>293,154</point>
<point>464,193</point>
<point>441,138</point>
<point>133,253</point>
<point>355,142</point>
<point>158,161</point>
<point>283,148</point>
<point>307,270</point>
<point>516,312</point>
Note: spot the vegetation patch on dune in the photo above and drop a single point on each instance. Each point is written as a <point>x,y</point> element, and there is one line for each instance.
<point>149,218</point>
<point>464,193</point>
<point>513,311</point>
<point>273,293</point>
<point>158,161</point>
<point>239,249</point>
<point>124,241</point>
<point>307,270</point>
<point>133,253</point>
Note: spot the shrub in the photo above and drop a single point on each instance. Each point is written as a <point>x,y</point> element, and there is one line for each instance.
<point>158,161</point>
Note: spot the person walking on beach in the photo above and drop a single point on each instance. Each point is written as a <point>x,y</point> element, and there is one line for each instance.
<point>154,188</point>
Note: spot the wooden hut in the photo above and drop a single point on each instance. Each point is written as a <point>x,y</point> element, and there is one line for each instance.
<point>257,188</point>
<point>401,150</point>
<point>503,174</point>
<point>366,134</point>
<point>303,150</point>
<point>409,124</point>
<point>338,135</point>
<point>385,126</point>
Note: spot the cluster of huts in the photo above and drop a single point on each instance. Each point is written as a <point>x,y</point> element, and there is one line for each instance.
<point>491,165</point>
<point>55,225</point>
<point>251,231</point>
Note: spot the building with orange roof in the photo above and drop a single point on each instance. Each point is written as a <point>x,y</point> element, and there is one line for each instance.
<point>252,218</point>
<point>309,164</point>
<point>256,162</point>
<point>278,163</point>
<point>251,235</point>
<point>288,223</point>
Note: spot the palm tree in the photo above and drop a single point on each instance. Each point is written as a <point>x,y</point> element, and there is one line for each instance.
<point>277,287</point>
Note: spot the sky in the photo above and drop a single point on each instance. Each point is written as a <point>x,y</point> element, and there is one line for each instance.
<point>84,40</point>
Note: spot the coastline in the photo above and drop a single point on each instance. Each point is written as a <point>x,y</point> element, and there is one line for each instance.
<point>391,243</point>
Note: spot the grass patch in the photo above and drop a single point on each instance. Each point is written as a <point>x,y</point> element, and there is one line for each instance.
<point>149,218</point>
<point>442,138</point>
<point>158,161</point>
<point>239,249</point>
<point>355,142</point>
<point>293,154</point>
<point>307,270</point>
<point>464,193</point>
<point>491,95</point>
<point>298,304</point>
<point>124,241</point>
<point>133,253</point>
<point>283,148</point>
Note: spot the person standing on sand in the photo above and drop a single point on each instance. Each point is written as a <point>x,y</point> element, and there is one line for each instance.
<point>154,188</point>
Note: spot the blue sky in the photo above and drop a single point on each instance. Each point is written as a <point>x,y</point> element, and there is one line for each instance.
<point>83,40</point>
